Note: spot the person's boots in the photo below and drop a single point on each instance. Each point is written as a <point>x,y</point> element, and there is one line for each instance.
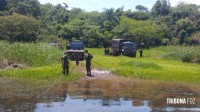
<point>89,74</point>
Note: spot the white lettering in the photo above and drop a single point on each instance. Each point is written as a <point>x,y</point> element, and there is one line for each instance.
<point>180,101</point>
<point>191,101</point>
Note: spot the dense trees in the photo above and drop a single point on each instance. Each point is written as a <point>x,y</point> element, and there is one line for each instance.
<point>24,7</point>
<point>28,20</point>
<point>141,8</point>
<point>138,31</point>
<point>17,27</point>
<point>161,8</point>
<point>52,15</point>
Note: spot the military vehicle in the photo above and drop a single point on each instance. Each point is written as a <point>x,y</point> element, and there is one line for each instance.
<point>75,51</point>
<point>123,47</point>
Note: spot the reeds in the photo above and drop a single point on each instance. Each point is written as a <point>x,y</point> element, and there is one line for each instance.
<point>30,54</point>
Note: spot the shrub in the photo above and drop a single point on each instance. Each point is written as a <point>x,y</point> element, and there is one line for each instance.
<point>186,56</point>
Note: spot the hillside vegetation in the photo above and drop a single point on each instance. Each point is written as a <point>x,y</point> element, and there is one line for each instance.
<point>30,21</point>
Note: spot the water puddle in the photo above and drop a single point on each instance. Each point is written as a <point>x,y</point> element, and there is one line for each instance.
<point>104,92</point>
<point>72,104</point>
<point>118,95</point>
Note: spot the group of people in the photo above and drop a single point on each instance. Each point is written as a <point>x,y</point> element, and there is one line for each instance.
<point>88,58</point>
<point>107,52</point>
<point>65,63</point>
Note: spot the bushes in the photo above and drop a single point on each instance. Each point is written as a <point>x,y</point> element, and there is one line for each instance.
<point>39,54</point>
<point>17,27</point>
<point>191,54</point>
<point>185,54</point>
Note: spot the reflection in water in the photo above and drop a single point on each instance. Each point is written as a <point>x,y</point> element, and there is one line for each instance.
<point>93,105</point>
<point>87,91</point>
<point>137,102</point>
<point>95,96</point>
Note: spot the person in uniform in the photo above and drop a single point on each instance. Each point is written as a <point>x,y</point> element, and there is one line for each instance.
<point>141,52</point>
<point>88,58</point>
<point>77,58</point>
<point>65,64</point>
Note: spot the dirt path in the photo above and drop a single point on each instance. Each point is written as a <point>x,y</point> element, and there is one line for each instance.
<point>99,74</point>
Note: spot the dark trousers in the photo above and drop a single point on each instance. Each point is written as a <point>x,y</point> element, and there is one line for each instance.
<point>140,54</point>
<point>88,69</point>
<point>77,62</point>
<point>66,70</point>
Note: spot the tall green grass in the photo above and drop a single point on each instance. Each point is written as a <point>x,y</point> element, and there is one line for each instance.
<point>30,54</point>
<point>180,53</point>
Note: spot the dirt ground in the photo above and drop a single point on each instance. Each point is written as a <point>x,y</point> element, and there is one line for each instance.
<point>9,64</point>
<point>100,74</point>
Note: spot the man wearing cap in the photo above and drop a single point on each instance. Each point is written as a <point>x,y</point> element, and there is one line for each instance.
<point>65,64</point>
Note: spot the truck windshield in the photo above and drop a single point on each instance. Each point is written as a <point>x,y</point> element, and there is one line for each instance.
<point>77,45</point>
<point>128,44</point>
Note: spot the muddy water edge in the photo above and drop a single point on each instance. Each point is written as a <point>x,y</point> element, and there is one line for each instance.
<point>23,95</point>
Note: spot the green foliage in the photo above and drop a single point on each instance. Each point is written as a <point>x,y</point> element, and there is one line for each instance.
<point>25,7</point>
<point>109,19</point>
<point>138,31</point>
<point>183,10</point>
<point>138,15</point>
<point>161,26</point>
<point>52,15</point>
<point>184,28</point>
<point>30,54</point>
<point>141,8</point>
<point>17,27</point>
<point>161,8</point>
<point>195,39</point>
<point>82,28</point>
<point>185,54</point>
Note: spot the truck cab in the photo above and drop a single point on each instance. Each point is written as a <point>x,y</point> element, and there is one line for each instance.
<point>128,48</point>
<point>123,47</point>
<point>75,51</point>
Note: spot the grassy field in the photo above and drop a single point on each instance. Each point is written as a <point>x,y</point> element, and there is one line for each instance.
<point>158,63</point>
<point>162,63</point>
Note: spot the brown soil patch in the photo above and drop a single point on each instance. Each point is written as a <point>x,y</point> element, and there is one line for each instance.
<point>9,64</point>
<point>99,74</point>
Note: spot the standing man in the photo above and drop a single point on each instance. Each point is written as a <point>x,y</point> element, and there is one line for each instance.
<point>88,58</point>
<point>77,58</point>
<point>65,64</point>
<point>141,52</point>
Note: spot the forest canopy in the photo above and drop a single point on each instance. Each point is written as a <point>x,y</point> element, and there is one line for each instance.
<point>30,21</point>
